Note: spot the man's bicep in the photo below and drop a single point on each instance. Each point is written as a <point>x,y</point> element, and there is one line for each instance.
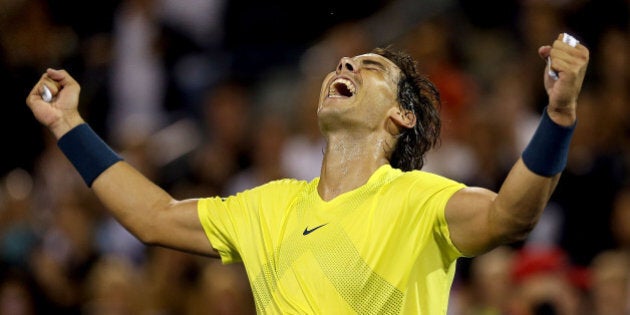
<point>467,215</point>
<point>185,231</point>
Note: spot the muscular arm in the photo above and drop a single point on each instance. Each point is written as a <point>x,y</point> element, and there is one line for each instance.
<point>143,208</point>
<point>479,219</point>
<point>149,212</point>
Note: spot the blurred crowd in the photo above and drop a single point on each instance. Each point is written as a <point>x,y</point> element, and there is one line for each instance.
<point>211,97</point>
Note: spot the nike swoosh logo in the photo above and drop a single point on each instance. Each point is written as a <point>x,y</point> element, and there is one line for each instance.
<point>307,231</point>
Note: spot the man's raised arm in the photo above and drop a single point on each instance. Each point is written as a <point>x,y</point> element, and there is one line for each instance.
<point>479,219</point>
<point>143,208</point>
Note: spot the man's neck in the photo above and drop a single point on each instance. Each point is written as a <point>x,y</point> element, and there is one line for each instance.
<point>348,163</point>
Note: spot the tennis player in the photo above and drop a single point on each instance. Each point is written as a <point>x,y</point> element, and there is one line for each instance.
<point>373,234</point>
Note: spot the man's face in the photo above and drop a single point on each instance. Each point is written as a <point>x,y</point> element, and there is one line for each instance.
<point>360,92</point>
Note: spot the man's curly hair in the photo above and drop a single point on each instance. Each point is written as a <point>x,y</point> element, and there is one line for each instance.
<point>419,95</point>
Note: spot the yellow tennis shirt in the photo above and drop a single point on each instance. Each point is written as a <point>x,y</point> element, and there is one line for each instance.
<point>383,248</point>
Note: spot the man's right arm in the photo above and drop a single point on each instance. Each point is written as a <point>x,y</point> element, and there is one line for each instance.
<point>143,208</point>
<point>149,212</point>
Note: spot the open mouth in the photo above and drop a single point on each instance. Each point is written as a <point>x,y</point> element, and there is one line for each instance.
<point>341,88</point>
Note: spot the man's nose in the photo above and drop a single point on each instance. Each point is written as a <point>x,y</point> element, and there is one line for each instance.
<point>346,64</point>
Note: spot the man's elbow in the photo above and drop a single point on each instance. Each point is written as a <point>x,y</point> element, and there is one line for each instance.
<point>146,235</point>
<point>518,232</point>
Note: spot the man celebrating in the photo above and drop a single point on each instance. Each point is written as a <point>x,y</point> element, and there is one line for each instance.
<point>373,234</point>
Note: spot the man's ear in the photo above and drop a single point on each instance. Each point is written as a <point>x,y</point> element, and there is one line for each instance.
<point>403,118</point>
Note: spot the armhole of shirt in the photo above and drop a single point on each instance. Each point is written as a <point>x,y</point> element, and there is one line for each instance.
<point>443,224</point>
<point>215,242</point>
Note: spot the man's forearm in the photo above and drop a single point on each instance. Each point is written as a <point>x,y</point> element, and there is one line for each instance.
<point>521,200</point>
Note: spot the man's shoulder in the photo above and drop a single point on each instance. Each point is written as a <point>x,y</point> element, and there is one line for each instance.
<point>286,185</point>
<point>426,178</point>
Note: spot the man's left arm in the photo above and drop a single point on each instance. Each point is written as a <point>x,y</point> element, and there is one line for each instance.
<point>480,219</point>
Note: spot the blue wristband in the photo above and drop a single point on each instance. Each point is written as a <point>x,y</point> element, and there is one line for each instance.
<point>548,150</point>
<point>87,152</point>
